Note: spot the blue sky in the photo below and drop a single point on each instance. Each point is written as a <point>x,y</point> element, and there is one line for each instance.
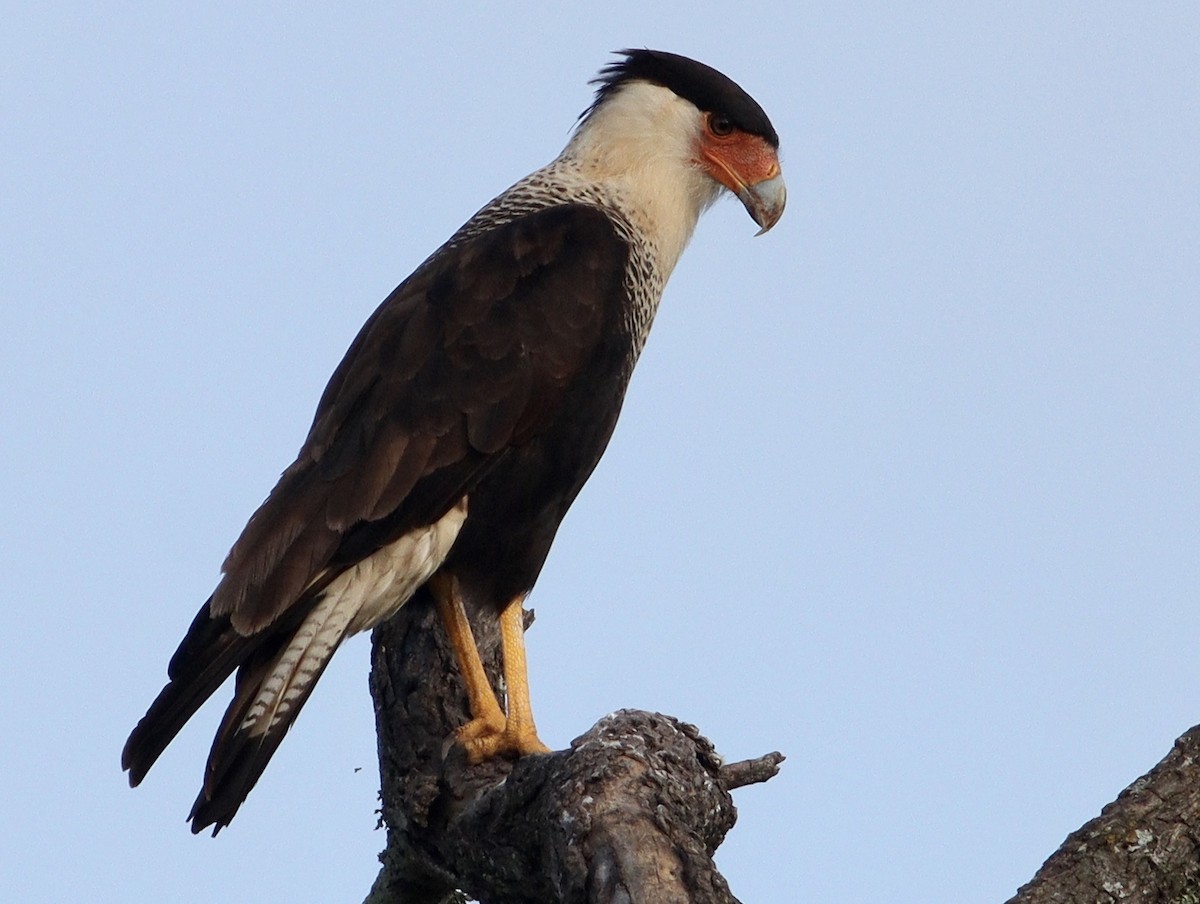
<point>906,488</point>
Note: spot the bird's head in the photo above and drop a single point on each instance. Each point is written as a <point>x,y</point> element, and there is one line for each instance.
<point>666,126</point>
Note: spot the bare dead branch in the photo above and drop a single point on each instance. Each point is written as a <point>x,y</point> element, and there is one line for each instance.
<point>751,772</point>
<point>1143,847</point>
<point>633,811</point>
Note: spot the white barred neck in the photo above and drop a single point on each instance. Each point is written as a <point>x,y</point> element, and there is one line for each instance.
<point>640,145</point>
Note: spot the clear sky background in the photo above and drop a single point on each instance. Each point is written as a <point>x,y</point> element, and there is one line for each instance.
<point>906,489</point>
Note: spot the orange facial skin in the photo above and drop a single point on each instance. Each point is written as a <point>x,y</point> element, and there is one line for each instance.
<point>747,165</point>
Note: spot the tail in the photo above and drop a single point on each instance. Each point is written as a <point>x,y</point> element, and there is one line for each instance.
<point>276,671</point>
<point>209,653</point>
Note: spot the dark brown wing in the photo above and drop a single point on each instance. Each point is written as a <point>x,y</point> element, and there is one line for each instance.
<point>468,357</point>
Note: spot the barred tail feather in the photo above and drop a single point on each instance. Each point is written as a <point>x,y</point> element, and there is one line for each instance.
<point>278,664</point>
<point>271,690</point>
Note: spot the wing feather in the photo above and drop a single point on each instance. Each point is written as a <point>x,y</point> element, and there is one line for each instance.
<point>466,361</point>
<point>467,357</point>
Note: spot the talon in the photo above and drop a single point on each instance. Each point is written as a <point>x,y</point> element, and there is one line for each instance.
<point>508,742</point>
<point>490,733</point>
<point>480,729</point>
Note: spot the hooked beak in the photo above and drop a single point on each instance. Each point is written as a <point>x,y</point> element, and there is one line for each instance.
<point>749,167</point>
<point>764,201</point>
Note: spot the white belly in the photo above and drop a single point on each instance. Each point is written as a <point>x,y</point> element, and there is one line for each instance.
<point>359,598</point>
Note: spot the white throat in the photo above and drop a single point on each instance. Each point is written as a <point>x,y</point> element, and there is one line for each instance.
<point>640,145</point>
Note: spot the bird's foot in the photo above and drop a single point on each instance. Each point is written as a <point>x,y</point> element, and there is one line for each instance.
<point>485,726</point>
<point>484,739</point>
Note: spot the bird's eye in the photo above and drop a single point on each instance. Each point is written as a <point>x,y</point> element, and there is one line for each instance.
<point>719,125</point>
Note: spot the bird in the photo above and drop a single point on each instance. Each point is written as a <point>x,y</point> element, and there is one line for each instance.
<point>464,419</point>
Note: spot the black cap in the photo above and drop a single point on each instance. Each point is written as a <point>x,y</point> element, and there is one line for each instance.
<point>710,90</point>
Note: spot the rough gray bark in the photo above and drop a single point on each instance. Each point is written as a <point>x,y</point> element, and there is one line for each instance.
<point>1142,848</point>
<point>635,809</point>
<point>632,812</point>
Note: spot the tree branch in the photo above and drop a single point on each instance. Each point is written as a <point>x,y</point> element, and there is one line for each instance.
<point>633,811</point>
<point>637,806</point>
<point>1143,847</point>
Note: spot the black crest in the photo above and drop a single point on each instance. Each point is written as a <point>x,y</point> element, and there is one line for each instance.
<point>710,90</point>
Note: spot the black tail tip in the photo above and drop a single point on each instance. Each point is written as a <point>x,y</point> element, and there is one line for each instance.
<point>137,771</point>
<point>199,825</point>
<point>204,814</point>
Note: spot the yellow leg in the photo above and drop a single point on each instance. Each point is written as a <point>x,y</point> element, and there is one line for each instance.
<point>487,718</point>
<point>520,732</point>
<point>489,733</point>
